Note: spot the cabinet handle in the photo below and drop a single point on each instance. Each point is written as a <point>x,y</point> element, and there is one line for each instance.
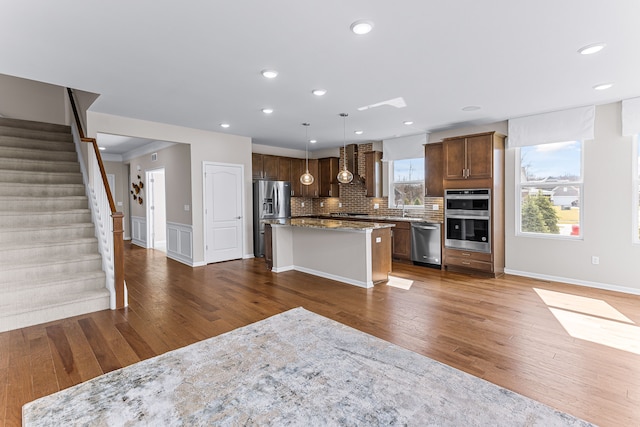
<point>466,254</point>
<point>466,262</point>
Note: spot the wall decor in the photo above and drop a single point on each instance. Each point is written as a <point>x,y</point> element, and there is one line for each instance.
<point>137,189</point>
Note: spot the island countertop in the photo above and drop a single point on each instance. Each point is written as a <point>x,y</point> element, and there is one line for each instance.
<point>333,224</point>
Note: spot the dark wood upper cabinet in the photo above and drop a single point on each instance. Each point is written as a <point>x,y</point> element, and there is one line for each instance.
<point>328,177</point>
<point>471,156</point>
<point>284,169</point>
<point>297,169</point>
<point>310,190</point>
<point>270,166</point>
<point>433,161</point>
<point>257,166</point>
<point>373,173</point>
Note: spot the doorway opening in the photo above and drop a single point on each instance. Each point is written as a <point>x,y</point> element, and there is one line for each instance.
<point>156,210</point>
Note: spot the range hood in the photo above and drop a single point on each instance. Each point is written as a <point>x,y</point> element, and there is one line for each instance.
<point>352,162</point>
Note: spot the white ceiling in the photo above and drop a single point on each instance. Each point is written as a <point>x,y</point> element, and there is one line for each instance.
<point>198,63</point>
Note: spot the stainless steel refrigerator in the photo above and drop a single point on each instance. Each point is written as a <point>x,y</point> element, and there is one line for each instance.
<point>271,200</point>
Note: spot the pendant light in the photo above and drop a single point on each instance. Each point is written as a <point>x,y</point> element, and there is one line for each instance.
<point>306,178</point>
<point>344,177</point>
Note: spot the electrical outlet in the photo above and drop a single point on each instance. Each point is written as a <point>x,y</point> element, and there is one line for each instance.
<point>435,207</point>
<point>119,203</point>
<point>339,205</point>
<point>376,206</point>
<point>186,208</point>
<point>322,204</point>
<point>378,239</point>
<point>595,260</point>
<point>302,205</point>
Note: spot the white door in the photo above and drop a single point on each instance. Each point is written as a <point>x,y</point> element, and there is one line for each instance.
<point>223,211</point>
<point>156,210</point>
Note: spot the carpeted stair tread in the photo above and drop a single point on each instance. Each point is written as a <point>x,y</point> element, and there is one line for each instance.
<point>45,249</point>
<point>22,132</point>
<point>13,164</point>
<point>31,219</point>
<point>40,204</point>
<point>36,144</point>
<point>37,154</point>
<point>45,234</point>
<point>52,301</point>
<point>30,124</point>
<point>40,177</point>
<point>58,258</point>
<point>45,190</point>
<point>94,278</point>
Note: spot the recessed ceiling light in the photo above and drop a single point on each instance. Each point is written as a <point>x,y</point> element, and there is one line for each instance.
<point>270,74</point>
<point>318,92</point>
<point>102,148</point>
<point>408,122</point>
<point>267,110</point>
<point>312,141</point>
<point>358,132</point>
<point>591,49</point>
<point>224,125</point>
<point>470,108</point>
<point>603,86</point>
<point>361,27</point>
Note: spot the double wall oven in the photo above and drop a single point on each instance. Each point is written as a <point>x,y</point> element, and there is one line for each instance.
<point>467,217</point>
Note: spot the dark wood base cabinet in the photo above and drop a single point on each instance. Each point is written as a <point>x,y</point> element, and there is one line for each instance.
<point>401,247</point>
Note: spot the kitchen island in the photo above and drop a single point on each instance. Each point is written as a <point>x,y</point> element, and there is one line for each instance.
<point>354,252</point>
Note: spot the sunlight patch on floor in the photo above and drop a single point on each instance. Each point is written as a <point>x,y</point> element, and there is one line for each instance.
<point>399,282</point>
<point>592,320</point>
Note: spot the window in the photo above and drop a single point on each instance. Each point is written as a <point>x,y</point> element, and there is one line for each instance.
<point>636,190</point>
<point>550,189</point>
<point>406,188</point>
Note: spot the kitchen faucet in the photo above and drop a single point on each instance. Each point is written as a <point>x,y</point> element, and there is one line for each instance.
<point>403,205</point>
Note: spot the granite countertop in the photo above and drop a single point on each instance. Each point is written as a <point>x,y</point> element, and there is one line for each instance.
<point>333,224</point>
<point>374,218</point>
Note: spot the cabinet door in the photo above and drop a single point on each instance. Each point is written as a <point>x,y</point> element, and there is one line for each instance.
<point>479,156</point>
<point>311,190</point>
<point>433,170</point>
<point>297,166</point>
<point>270,166</point>
<point>454,158</point>
<point>373,174</point>
<point>401,243</point>
<point>284,169</point>
<point>257,166</point>
<point>328,173</point>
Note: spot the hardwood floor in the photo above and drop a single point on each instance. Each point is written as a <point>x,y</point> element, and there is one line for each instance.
<point>497,329</point>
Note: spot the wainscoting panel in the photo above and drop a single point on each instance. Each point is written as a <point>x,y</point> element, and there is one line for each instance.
<point>180,242</point>
<point>139,231</point>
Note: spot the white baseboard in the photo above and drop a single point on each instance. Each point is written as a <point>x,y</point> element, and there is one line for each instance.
<point>586,283</point>
<point>334,277</point>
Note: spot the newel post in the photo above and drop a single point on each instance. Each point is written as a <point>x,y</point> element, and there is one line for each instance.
<point>118,257</point>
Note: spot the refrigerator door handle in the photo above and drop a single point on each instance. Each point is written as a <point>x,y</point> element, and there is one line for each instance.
<point>276,201</point>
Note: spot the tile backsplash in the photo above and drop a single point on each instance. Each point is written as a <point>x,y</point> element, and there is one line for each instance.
<point>353,200</point>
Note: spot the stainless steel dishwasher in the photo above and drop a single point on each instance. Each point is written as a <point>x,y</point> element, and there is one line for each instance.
<point>425,244</point>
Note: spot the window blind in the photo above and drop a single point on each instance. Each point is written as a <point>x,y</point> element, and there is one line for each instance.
<point>576,124</point>
<point>630,116</point>
<point>406,147</point>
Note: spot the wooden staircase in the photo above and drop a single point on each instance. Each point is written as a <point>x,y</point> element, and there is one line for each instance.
<point>50,267</point>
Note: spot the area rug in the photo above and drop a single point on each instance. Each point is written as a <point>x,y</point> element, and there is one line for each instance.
<point>295,368</point>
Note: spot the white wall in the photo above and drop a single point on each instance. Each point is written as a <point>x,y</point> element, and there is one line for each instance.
<point>607,218</point>
<point>205,146</point>
<point>30,100</point>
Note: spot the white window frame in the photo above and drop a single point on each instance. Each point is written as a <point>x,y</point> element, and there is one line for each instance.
<point>391,198</point>
<point>635,189</point>
<point>518,205</point>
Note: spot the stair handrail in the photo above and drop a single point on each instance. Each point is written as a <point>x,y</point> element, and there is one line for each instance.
<point>117,217</point>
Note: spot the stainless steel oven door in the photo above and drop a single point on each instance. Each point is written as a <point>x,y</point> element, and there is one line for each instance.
<point>468,232</point>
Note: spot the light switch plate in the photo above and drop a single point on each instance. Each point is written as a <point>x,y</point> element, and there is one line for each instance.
<point>302,204</point>
<point>322,204</point>
<point>376,206</point>
<point>339,205</point>
<point>119,203</point>
<point>186,208</point>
